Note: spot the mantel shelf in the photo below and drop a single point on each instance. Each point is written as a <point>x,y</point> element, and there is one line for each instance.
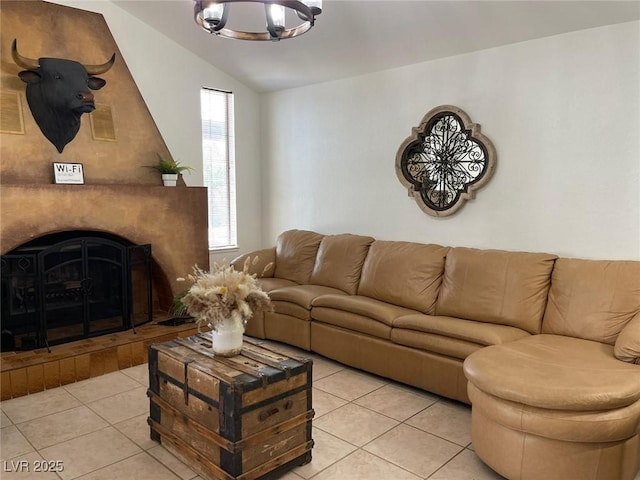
<point>124,186</point>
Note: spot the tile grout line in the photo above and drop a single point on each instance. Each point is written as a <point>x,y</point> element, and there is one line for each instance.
<point>383,384</point>
<point>444,464</point>
<point>461,447</point>
<point>109,424</point>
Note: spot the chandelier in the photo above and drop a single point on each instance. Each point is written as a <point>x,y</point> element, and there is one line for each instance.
<point>212,16</point>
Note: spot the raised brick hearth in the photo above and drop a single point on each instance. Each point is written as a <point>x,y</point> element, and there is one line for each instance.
<point>37,370</point>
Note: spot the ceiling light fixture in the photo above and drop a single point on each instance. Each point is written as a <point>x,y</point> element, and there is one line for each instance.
<point>212,16</point>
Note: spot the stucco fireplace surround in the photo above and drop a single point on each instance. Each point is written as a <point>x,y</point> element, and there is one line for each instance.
<point>172,220</point>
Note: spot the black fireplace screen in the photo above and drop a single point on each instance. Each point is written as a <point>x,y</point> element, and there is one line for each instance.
<point>76,288</point>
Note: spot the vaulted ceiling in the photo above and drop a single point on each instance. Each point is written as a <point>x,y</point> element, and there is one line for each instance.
<point>355,37</point>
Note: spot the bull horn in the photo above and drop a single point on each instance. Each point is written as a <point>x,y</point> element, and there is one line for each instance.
<point>98,69</point>
<point>24,62</point>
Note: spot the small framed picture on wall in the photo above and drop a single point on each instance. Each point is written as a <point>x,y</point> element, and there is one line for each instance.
<point>68,173</point>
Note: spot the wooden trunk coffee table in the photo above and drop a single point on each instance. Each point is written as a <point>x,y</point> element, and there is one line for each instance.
<point>246,417</point>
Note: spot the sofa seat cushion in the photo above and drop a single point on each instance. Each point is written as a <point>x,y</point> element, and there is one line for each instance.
<point>295,301</point>
<point>469,330</point>
<point>432,343</point>
<point>367,307</point>
<point>555,372</point>
<point>291,309</point>
<point>302,295</point>
<point>351,321</point>
<point>268,284</point>
<point>567,425</point>
<point>450,336</point>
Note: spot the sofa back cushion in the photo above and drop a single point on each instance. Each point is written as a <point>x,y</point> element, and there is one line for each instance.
<point>495,286</point>
<point>339,261</point>
<point>296,254</point>
<point>627,347</point>
<point>403,273</point>
<point>592,299</point>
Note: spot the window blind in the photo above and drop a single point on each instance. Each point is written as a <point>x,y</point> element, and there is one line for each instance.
<point>218,150</point>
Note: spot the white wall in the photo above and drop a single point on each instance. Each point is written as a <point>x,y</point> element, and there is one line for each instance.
<point>563,113</point>
<point>169,78</point>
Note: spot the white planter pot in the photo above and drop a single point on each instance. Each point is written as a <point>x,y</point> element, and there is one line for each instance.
<point>226,338</point>
<point>169,179</point>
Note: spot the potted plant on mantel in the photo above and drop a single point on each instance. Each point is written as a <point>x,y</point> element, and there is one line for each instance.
<point>170,169</point>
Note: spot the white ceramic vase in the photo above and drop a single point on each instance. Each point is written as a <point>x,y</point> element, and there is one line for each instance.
<point>226,338</point>
<point>169,179</point>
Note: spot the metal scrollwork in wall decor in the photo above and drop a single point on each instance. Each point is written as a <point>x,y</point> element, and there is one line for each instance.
<point>445,160</point>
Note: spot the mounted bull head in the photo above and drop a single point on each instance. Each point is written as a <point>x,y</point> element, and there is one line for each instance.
<point>58,93</point>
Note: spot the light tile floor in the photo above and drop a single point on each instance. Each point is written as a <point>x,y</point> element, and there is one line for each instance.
<point>365,428</point>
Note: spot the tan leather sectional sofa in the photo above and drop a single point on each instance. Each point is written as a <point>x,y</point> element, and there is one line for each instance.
<point>546,349</point>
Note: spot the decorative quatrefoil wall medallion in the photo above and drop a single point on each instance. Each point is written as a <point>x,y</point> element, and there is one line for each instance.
<point>445,160</point>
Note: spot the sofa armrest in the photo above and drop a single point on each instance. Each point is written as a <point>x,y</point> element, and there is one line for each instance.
<point>627,347</point>
<point>258,263</point>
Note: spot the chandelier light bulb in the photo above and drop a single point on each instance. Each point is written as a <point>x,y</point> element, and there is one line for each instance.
<point>276,13</point>
<point>213,13</point>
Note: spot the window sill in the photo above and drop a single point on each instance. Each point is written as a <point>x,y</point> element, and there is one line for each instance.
<point>224,249</point>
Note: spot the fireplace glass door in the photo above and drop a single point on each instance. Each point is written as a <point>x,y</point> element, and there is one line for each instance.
<point>83,289</point>
<point>20,314</point>
<point>73,289</point>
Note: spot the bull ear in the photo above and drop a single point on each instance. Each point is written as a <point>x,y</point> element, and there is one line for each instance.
<point>96,83</point>
<point>29,76</point>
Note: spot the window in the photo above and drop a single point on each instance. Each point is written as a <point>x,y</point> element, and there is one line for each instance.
<point>219,167</point>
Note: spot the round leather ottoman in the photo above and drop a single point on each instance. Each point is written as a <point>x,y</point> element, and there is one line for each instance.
<point>554,407</point>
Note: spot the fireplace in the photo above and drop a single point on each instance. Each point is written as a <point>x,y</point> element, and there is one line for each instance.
<point>172,220</point>
<point>117,222</point>
<point>73,285</point>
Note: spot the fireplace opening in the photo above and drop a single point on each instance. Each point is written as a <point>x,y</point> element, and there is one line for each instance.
<point>72,285</point>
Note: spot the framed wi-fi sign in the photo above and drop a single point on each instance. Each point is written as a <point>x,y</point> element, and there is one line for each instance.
<point>68,173</point>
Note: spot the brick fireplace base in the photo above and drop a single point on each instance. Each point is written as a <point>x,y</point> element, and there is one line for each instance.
<point>37,370</point>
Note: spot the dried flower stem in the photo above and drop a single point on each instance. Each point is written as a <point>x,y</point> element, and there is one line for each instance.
<point>225,294</point>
